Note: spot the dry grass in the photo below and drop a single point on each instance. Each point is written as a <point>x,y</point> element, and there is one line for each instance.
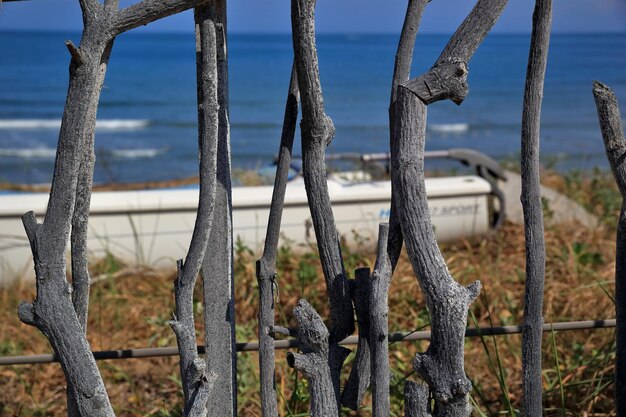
<point>132,310</point>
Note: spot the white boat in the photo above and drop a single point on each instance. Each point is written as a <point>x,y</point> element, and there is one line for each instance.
<point>153,227</point>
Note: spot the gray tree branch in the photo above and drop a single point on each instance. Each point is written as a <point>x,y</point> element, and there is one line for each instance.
<point>401,74</point>
<point>441,366</point>
<point>313,361</point>
<point>217,267</point>
<point>147,11</point>
<point>533,209</point>
<point>447,79</point>
<point>615,145</point>
<point>317,130</point>
<point>194,376</point>
<point>266,266</point>
<point>379,326</point>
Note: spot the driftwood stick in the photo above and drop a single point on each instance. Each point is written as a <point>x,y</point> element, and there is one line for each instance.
<point>401,73</point>
<point>447,79</point>
<point>416,399</point>
<point>192,369</point>
<point>266,266</point>
<point>54,312</point>
<point>80,217</point>
<point>313,361</point>
<point>217,267</point>
<point>379,326</point>
<point>147,11</point>
<point>533,210</point>
<point>441,366</point>
<point>317,131</point>
<point>615,145</point>
<point>359,378</point>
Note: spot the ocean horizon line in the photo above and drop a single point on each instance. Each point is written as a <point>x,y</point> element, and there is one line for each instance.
<point>144,32</point>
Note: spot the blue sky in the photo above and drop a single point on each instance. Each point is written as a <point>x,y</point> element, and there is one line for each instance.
<point>337,16</point>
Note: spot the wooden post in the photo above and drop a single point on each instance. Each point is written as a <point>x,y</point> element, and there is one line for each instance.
<point>615,146</point>
<point>266,266</point>
<point>533,210</point>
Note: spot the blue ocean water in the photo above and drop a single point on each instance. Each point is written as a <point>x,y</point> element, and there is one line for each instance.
<point>147,114</point>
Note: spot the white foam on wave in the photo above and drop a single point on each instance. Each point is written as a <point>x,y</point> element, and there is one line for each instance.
<point>105,124</point>
<point>136,153</point>
<point>449,127</point>
<point>28,153</point>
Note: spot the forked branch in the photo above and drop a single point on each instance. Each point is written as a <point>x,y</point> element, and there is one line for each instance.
<point>441,366</point>
<point>195,378</point>
<point>147,11</point>
<point>447,79</point>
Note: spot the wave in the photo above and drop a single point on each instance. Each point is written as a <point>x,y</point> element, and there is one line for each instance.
<point>39,124</point>
<point>136,153</point>
<point>449,127</point>
<point>28,153</point>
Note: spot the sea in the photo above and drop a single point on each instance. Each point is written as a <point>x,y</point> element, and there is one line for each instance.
<point>147,129</point>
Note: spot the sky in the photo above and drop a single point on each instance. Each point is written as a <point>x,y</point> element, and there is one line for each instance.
<point>336,16</point>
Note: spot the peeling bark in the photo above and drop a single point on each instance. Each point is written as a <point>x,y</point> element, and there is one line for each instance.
<point>266,266</point>
<point>533,210</point>
<point>217,267</point>
<point>615,145</point>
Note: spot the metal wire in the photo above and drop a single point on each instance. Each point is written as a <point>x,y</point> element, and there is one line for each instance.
<point>292,343</point>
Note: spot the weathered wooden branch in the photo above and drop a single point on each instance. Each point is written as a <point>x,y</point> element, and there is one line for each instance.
<point>447,79</point>
<point>533,209</point>
<point>317,131</point>
<point>359,378</point>
<point>266,266</point>
<point>147,11</point>
<point>53,314</point>
<point>58,313</point>
<point>193,370</point>
<point>217,267</point>
<point>379,326</point>
<point>401,74</point>
<point>313,361</point>
<point>615,145</point>
<point>441,366</point>
<point>416,399</point>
